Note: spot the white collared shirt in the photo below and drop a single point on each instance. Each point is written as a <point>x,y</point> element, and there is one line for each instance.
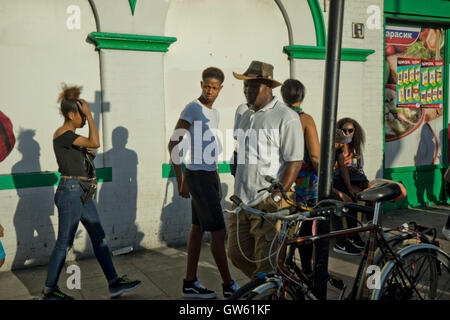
<point>267,140</point>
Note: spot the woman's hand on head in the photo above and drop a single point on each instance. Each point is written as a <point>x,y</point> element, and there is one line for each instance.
<point>84,107</point>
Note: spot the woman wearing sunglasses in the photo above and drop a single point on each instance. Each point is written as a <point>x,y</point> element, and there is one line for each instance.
<point>353,150</point>
<point>354,163</point>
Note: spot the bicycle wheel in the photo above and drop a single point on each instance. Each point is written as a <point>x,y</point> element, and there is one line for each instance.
<point>268,291</point>
<point>426,271</point>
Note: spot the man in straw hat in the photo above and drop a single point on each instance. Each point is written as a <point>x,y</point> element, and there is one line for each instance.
<point>270,142</point>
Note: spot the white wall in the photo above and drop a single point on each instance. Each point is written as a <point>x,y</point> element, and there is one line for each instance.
<point>227,35</point>
<point>37,53</point>
<point>360,83</point>
<point>143,94</point>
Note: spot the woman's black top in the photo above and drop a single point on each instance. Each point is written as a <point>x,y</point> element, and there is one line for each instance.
<point>70,158</point>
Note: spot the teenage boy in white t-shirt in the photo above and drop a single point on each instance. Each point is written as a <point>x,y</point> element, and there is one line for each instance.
<point>200,180</point>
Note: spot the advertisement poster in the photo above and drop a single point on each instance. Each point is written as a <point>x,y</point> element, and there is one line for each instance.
<point>414,87</point>
<point>432,84</point>
<point>408,82</point>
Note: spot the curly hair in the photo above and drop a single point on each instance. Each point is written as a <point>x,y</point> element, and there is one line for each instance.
<point>69,92</point>
<point>359,137</point>
<point>68,98</point>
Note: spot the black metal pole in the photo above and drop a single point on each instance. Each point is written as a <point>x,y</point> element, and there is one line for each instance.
<point>326,163</point>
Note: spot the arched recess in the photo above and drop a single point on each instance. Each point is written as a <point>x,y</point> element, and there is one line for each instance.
<point>42,46</point>
<point>227,35</point>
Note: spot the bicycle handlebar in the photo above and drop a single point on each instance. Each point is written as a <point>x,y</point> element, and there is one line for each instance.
<point>284,214</point>
<point>324,207</point>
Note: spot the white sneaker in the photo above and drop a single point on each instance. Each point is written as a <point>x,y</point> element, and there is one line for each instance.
<point>446,233</point>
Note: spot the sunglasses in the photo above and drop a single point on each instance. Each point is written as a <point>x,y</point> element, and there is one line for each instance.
<point>348,130</point>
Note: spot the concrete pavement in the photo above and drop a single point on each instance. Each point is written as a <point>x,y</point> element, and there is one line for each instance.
<point>162,270</point>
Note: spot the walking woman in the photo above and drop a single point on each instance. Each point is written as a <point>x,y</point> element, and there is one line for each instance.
<point>74,195</point>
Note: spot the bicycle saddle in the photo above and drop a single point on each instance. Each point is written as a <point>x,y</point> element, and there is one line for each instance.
<point>382,190</point>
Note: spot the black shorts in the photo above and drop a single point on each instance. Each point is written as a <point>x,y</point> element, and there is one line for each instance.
<point>205,191</point>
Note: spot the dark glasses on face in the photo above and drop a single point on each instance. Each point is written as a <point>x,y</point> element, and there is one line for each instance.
<point>348,130</point>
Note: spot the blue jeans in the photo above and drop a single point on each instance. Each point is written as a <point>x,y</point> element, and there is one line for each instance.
<point>71,210</point>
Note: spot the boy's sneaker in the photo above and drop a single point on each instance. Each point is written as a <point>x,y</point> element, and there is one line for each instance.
<point>346,247</point>
<point>357,241</point>
<point>229,289</point>
<point>121,285</point>
<point>56,294</point>
<point>446,233</point>
<point>194,290</point>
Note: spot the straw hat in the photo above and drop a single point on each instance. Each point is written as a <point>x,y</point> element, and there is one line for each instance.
<point>258,70</point>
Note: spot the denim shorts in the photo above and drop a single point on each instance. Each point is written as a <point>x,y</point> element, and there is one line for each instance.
<point>206,194</point>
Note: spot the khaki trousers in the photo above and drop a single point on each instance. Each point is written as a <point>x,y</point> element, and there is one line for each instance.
<point>255,237</point>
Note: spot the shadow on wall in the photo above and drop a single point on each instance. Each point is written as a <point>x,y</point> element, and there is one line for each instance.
<point>176,216</point>
<point>427,154</point>
<point>117,200</point>
<point>34,230</point>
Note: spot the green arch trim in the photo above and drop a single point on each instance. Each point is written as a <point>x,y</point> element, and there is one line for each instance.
<point>120,41</point>
<point>319,52</point>
<point>319,23</point>
<point>132,5</point>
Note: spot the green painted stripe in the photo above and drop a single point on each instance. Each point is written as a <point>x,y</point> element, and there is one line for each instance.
<point>119,41</point>
<point>310,52</point>
<point>319,23</point>
<point>43,179</point>
<point>167,169</point>
<point>430,167</point>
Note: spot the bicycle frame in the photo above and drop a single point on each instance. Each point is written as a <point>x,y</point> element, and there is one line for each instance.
<point>376,240</point>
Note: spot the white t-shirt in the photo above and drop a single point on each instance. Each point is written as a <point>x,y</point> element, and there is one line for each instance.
<point>238,115</point>
<point>203,142</point>
<point>267,140</point>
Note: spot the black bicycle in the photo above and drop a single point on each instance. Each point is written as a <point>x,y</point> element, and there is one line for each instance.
<point>406,270</point>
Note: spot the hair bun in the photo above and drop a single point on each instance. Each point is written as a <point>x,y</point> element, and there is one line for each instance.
<point>69,92</point>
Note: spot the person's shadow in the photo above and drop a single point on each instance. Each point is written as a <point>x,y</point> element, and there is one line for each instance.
<point>34,231</point>
<point>175,217</point>
<point>117,200</point>
<point>424,179</point>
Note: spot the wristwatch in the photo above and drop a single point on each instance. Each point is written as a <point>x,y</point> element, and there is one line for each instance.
<point>276,198</point>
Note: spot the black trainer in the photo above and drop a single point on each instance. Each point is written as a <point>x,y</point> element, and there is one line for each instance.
<point>356,240</point>
<point>229,289</point>
<point>121,285</point>
<point>193,289</point>
<point>346,247</point>
<point>56,294</point>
